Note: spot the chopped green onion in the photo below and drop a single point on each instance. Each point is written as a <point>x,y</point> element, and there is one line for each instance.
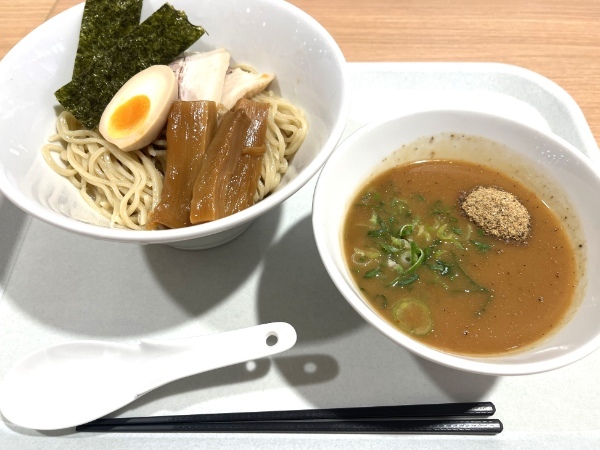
<point>373,273</point>
<point>422,232</point>
<point>458,244</point>
<point>439,209</point>
<point>416,261</point>
<point>359,258</point>
<point>362,258</point>
<point>413,316</point>
<point>373,219</point>
<point>478,287</point>
<point>404,280</point>
<point>405,230</point>
<point>469,231</point>
<point>401,207</point>
<point>480,246</point>
<point>415,253</point>
<point>440,267</point>
<point>485,305</point>
<point>382,300</point>
<point>399,242</point>
<point>388,248</point>
<point>377,233</point>
<point>404,258</point>
<point>444,234</point>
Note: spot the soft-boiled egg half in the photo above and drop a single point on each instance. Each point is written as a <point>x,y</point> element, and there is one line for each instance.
<point>138,112</point>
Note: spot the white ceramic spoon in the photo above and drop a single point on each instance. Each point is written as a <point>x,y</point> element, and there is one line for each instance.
<point>69,384</point>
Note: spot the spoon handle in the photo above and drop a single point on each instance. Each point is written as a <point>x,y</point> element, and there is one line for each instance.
<point>164,361</point>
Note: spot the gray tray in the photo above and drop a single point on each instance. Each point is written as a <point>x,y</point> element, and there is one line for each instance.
<point>56,287</point>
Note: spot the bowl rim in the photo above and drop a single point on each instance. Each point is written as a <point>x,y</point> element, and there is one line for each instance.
<point>473,364</point>
<point>207,229</point>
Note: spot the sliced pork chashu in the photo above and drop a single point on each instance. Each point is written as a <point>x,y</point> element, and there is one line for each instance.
<point>201,76</point>
<point>242,84</point>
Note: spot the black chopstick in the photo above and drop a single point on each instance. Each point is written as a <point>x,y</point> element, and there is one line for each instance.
<point>346,420</point>
<point>418,426</point>
<point>472,409</point>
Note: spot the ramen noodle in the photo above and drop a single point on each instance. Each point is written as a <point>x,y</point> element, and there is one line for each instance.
<point>124,187</point>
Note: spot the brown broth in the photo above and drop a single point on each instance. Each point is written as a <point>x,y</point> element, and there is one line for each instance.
<point>495,297</point>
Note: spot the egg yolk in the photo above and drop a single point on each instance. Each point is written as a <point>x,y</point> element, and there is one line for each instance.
<point>129,115</point>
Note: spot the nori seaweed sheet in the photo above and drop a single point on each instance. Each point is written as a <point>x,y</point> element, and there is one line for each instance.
<point>158,40</point>
<point>104,22</point>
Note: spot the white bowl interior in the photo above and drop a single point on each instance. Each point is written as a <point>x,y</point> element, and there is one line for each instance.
<point>271,35</point>
<point>549,161</point>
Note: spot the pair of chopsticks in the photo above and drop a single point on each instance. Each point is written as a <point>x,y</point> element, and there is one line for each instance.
<point>445,418</point>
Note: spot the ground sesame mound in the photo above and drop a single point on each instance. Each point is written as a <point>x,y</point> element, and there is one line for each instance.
<point>497,212</point>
